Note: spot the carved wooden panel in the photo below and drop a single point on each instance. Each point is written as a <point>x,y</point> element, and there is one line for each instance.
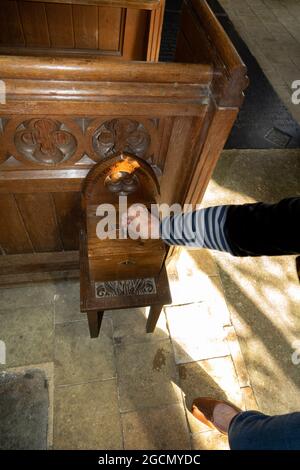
<point>64,142</point>
<point>64,145</point>
<point>139,137</point>
<point>127,287</point>
<point>122,183</point>
<point>45,141</point>
<point>121,135</point>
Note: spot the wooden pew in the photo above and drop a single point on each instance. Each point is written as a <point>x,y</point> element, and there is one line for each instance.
<point>64,114</point>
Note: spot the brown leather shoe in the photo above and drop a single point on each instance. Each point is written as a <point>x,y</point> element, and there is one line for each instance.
<point>203,409</point>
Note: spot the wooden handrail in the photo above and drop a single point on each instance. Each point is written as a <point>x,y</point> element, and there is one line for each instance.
<point>216,33</point>
<point>101,69</point>
<point>140,4</point>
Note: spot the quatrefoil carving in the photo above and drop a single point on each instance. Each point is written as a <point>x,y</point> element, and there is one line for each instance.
<point>122,183</point>
<point>45,141</point>
<point>121,135</point>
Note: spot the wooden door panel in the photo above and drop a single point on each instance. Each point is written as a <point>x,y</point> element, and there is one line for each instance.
<point>46,28</point>
<point>85,19</point>
<point>14,237</point>
<point>34,23</point>
<point>11,32</point>
<point>67,207</point>
<point>111,24</point>
<point>136,34</point>
<point>39,218</point>
<point>60,25</point>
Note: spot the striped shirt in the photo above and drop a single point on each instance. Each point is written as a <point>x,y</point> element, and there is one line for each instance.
<point>203,229</point>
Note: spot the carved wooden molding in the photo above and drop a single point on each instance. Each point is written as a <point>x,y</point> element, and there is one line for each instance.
<point>77,142</point>
<point>122,183</point>
<point>127,287</point>
<point>121,135</point>
<point>44,141</point>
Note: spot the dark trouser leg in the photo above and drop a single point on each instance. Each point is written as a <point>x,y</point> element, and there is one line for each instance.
<point>153,318</point>
<point>94,319</point>
<point>264,229</point>
<point>252,430</point>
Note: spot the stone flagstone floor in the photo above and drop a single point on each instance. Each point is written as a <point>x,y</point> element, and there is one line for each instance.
<point>271,31</point>
<point>228,333</point>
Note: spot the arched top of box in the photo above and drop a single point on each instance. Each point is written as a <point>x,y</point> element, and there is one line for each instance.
<point>120,175</point>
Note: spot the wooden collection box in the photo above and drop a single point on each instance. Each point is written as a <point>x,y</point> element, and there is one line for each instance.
<point>120,258</point>
<point>121,271</point>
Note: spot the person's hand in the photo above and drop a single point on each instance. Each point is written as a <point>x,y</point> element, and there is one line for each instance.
<point>140,223</point>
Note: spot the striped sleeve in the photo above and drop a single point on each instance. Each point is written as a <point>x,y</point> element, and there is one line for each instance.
<point>203,229</point>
